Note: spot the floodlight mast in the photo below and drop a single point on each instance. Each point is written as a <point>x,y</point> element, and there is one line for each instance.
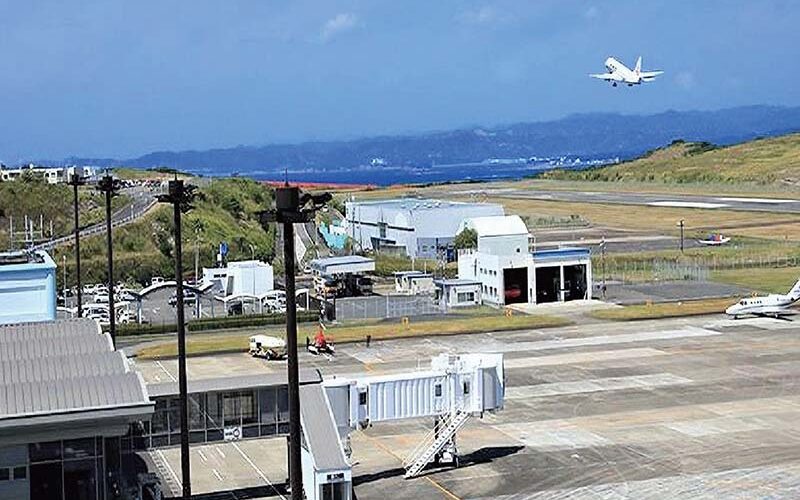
<point>290,209</point>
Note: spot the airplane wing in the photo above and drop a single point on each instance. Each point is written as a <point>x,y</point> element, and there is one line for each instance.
<point>776,310</point>
<point>650,75</point>
<point>607,76</point>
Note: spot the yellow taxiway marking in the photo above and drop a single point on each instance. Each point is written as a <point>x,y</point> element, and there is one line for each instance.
<point>447,493</point>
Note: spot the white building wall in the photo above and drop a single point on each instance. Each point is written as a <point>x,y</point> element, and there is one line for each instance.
<point>503,245</point>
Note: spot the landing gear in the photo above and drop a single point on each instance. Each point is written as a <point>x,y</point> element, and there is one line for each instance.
<point>614,84</point>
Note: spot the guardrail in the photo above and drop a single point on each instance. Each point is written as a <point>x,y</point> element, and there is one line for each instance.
<point>98,228</point>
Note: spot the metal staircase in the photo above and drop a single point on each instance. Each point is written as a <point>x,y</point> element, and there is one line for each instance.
<point>434,442</point>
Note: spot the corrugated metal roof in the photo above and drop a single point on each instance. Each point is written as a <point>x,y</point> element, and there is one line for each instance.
<point>504,225</point>
<point>218,384</point>
<point>59,371</point>
<point>319,431</point>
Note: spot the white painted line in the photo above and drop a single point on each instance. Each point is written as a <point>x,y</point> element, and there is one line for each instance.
<point>258,471</point>
<point>686,204</point>
<point>649,381</point>
<point>622,338</point>
<point>582,357</point>
<point>171,377</point>
<point>220,452</point>
<point>214,471</point>
<point>202,455</point>
<point>169,469</point>
<point>759,200</point>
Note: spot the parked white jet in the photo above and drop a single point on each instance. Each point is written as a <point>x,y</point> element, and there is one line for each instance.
<point>770,305</point>
<point>619,73</point>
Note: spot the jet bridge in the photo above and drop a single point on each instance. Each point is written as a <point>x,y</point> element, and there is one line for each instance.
<point>453,389</point>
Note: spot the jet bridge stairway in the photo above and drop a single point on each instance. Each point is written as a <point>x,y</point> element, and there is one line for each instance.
<point>443,434</point>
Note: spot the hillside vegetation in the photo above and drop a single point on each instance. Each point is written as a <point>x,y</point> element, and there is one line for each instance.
<point>225,211</point>
<point>32,196</point>
<point>764,161</point>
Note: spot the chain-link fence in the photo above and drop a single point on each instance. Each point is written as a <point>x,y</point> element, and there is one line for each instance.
<point>388,306</point>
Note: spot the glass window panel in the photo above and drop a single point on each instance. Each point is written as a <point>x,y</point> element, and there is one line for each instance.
<point>20,473</point>
<point>174,415</point>
<point>159,421</point>
<point>267,405</point>
<point>213,435</point>
<point>45,481</point>
<point>197,436</point>
<point>80,479</point>
<point>159,441</point>
<point>41,452</point>
<point>283,403</point>
<point>214,411</point>
<point>268,429</point>
<point>248,408</point>
<point>78,448</point>
<point>5,473</point>
<point>197,409</point>
<point>231,409</point>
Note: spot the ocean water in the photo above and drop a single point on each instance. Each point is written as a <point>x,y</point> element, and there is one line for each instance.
<point>383,175</point>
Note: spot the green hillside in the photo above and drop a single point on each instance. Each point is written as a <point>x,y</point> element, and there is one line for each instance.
<point>765,161</point>
<point>226,211</point>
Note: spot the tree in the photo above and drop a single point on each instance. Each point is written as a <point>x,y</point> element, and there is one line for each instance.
<point>467,238</point>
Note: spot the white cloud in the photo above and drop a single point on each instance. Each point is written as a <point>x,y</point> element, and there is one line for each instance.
<point>337,25</point>
<point>591,12</point>
<point>685,80</point>
<point>484,15</point>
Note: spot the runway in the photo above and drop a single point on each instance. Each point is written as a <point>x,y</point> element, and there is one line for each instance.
<point>748,204</point>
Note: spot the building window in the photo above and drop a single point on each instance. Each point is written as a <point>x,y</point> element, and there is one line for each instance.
<point>20,473</point>
<point>466,296</point>
<point>362,398</point>
<point>437,390</point>
<point>5,473</point>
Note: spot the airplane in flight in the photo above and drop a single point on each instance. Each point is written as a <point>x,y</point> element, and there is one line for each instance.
<point>619,73</point>
<point>775,305</point>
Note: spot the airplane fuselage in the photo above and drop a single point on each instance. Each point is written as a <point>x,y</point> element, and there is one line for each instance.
<point>770,305</point>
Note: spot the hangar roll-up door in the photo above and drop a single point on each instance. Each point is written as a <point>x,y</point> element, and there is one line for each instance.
<point>548,284</point>
<point>515,282</point>
<point>575,282</point>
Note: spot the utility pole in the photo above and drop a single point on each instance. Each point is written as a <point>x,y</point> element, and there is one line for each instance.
<point>180,197</point>
<point>290,209</point>
<point>681,224</point>
<point>75,181</point>
<point>603,263</point>
<point>110,187</point>
<point>64,261</point>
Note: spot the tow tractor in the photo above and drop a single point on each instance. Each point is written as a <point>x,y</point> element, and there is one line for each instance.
<point>264,346</point>
<point>321,344</point>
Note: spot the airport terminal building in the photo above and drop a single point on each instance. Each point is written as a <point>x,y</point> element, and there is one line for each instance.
<point>419,228</point>
<point>67,401</point>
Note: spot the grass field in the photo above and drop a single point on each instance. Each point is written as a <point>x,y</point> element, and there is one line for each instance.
<point>213,343</point>
<point>767,162</point>
<point>663,310</point>
<point>769,280</point>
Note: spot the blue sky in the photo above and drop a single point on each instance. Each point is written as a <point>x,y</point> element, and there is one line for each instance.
<point>120,79</point>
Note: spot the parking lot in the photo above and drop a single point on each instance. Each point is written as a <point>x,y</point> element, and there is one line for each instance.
<point>702,407</point>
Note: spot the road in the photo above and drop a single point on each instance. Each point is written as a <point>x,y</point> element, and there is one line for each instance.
<point>748,204</point>
<point>142,199</point>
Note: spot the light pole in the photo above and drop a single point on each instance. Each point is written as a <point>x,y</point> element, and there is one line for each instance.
<point>290,209</point>
<point>180,197</point>
<point>75,181</point>
<point>110,187</point>
<point>681,224</point>
<point>64,261</point>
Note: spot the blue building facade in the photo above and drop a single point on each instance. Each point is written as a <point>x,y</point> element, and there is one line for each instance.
<point>27,287</point>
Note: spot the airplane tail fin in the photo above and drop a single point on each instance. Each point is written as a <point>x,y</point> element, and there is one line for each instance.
<point>638,68</point>
<point>794,293</point>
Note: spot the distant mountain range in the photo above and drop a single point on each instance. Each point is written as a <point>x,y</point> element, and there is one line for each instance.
<point>587,136</point>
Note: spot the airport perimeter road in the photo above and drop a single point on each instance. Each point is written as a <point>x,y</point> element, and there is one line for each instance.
<point>688,408</point>
<point>750,204</point>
